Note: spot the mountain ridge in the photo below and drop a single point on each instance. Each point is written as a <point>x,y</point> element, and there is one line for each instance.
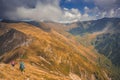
<point>49,51</point>
<point>57,53</point>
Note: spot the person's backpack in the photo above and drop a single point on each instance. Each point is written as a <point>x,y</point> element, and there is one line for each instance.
<point>22,65</point>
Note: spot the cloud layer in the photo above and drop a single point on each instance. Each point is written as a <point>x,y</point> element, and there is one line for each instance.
<point>41,10</point>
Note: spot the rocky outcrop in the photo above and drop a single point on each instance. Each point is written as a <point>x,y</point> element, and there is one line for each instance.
<point>11,40</point>
<point>3,28</point>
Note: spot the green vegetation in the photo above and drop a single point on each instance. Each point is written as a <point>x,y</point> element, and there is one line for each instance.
<point>109,45</point>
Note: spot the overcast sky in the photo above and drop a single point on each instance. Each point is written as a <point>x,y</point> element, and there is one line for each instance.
<point>59,10</point>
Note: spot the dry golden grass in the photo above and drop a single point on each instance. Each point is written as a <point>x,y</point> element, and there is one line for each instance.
<point>31,72</point>
<point>49,51</point>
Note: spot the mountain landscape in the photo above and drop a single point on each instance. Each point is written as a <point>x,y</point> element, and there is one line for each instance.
<point>107,39</point>
<point>59,39</point>
<point>87,50</point>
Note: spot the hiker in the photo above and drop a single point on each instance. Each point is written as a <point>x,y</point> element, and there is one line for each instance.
<point>22,67</point>
<point>12,63</point>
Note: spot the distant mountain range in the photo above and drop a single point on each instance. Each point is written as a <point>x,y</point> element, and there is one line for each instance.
<point>97,25</point>
<point>107,42</point>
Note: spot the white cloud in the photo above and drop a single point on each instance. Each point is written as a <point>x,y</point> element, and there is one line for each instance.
<point>51,10</point>
<point>117,12</point>
<point>97,13</point>
<point>70,15</point>
<point>47,11</point>
<point>103,8</point>
<point>86,9</point>
<point>73,15</point>
<point>111,13</point>
<point>86,17</point>
<point>105,4</point>
<point>42,11</point>
<point>103,14</point>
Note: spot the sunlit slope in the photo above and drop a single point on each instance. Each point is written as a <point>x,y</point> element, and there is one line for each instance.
<point>63,30</point>
<point>31,72</point>
<point>53,54</point>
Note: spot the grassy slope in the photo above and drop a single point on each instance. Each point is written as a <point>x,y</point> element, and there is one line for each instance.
<point>86,48</point>
<point>31,72</point>
<point>52,53</point>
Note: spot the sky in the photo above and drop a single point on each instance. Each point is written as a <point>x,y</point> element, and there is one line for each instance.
<point>59,10</point>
